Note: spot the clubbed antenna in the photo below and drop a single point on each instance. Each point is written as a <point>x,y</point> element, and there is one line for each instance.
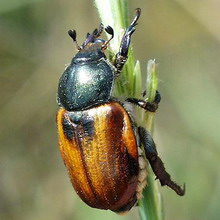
<point>110,31</point>
<point>72,34</point>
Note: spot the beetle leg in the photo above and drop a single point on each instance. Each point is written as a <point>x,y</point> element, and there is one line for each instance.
<point>121,56</point>
<point>149,106</point>
<point>156,163</point>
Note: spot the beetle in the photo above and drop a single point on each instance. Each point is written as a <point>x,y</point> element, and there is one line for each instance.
<point>99,140</point>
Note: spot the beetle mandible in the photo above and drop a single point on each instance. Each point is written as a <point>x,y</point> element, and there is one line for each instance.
<point>99,141</point>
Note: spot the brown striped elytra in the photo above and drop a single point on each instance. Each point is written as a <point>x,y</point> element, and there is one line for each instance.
<point>99,149</point>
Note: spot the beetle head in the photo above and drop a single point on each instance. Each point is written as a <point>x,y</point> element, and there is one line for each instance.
<point>93,47</point>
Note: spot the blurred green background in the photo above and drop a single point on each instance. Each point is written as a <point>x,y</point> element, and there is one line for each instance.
<point>183,36</point>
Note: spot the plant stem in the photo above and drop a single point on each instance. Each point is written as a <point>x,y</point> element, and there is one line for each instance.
<point>129,84</point>
<point>151,206</point>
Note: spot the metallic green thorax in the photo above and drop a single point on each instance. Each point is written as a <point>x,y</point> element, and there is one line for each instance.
<point>87,81</point>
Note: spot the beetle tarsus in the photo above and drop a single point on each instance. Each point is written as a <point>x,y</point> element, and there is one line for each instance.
<point>156,163</point>
<point>149,106</point>
<point>144,93</point>
<point>121,56</point>
<point>180,191</point>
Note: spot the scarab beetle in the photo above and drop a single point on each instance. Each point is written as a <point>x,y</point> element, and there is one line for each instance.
<point>99,140</point>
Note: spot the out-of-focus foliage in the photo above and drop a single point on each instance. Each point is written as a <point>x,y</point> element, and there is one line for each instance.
<point>183,36</point>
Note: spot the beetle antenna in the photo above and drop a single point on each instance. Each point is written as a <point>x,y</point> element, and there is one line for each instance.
<point>72,34</point>
<point>95,33</point>
<point>91,37</point>
<point>110,31</point>
<point>87,35</point>
<point>101,27</point>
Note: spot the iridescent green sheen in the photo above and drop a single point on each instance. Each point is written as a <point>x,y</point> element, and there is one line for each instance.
<point>86,82</point>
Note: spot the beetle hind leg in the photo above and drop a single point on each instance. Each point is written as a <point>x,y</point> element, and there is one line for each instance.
<point>156,163</point>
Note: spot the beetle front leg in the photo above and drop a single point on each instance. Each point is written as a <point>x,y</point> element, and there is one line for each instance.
<point>122,55</point>
<point>156,163</point>
<point>149,106</point>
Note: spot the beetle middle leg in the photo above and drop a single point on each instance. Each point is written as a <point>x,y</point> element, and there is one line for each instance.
<point>122,55</point>
<point>149,106</point>
<point>156,163</point>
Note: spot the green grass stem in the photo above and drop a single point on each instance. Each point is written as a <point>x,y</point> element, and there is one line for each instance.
<point>129,84</point>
